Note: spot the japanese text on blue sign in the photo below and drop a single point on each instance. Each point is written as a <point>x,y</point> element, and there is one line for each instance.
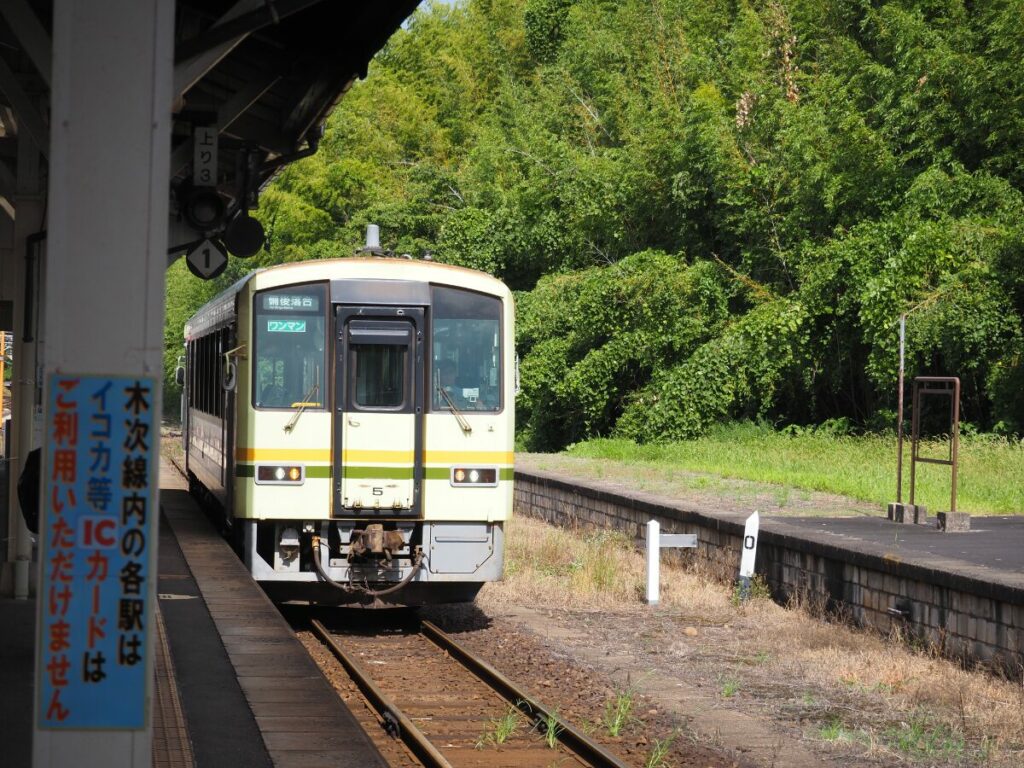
<point>100,523</point>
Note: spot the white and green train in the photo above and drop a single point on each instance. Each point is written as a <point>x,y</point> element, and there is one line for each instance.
<point>352,420</point>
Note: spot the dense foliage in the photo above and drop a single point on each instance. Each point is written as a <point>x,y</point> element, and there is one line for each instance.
<point>711,208</point>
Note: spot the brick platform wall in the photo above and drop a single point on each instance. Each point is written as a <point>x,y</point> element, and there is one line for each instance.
<point>959,616</point>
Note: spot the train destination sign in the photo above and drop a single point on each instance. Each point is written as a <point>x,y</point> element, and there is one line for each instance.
<point>277,302</point>
<point>100,522</point>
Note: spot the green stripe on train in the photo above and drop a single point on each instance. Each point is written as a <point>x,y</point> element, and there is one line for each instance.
<point>384,473</point>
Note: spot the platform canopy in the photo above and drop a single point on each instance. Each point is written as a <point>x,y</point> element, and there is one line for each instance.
<point>264,73</point>
<point>130,132</point>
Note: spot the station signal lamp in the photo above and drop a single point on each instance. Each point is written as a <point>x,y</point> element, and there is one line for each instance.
<point>203,209</point>
<point>244,235</point>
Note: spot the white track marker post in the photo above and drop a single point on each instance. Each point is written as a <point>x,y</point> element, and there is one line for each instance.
<point>656,541</point>
<point>653,561</point>
<point>749,554</point>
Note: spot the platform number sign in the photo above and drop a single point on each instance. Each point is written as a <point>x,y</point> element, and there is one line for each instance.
<point>204,156</point>
<point>207,260</point>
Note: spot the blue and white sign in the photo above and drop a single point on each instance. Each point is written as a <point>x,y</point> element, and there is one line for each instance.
<point>100,522</point>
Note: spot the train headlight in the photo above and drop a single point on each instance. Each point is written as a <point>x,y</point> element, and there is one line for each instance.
<point>474,477</point>
<point>280,474</point>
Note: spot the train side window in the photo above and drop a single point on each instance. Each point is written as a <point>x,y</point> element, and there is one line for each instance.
<point>203,365</point>
<point>208,375</point>
<point>190,374</point>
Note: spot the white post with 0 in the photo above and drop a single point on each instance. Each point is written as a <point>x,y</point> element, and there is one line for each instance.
<point>748,554</point>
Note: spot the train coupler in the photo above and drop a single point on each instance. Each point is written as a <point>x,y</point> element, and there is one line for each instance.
<point>374,540</point>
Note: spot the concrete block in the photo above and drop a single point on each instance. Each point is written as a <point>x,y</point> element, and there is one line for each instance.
<point>985,608</point>
<point>872,600</point>
<point>1018,617</point>
<point>953,522</point>
<point>907,513</point>
<point>990,633</point>
<point>961,625</point>
<point>1014,642</point>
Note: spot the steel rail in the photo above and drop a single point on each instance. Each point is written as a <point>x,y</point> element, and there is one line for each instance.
<point>410,735</point>
<point>573,739</point>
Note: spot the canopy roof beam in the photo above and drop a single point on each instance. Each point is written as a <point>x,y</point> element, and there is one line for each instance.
<point>188,70</point>
<point>30,33</point>
<point>226,115</point>
<point>28,118</point>
<point>269,12</point>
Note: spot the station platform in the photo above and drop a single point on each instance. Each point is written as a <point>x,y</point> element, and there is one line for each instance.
<point>993,549</point>
<point>233,686</point>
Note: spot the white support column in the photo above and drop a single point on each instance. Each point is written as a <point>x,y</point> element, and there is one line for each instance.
<point>29,205</point>
<point>107,241</point>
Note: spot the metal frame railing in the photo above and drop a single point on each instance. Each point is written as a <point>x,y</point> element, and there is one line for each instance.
<point>929,385</point>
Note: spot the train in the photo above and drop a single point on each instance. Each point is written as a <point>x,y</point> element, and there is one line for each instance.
<point>350,423</point>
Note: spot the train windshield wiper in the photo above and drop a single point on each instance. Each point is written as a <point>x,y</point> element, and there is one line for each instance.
<point>302,405</point>
<point>466,427</point>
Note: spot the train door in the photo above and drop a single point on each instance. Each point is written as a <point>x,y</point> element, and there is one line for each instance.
<point>378,431</point>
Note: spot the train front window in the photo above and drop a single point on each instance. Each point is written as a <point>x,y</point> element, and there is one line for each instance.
<point>289,361</point>
<point>465,350</point>
<point>378,364</point>
<point>379,372</point>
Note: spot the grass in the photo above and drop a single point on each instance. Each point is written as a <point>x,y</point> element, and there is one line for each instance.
<point>991,472</point>
<point>592,568</point>
<point>835,731</point>
<point>730,687</point>
<point>924,739</point>
<point>757,590</point>
<point>618,711</point>
<point>551,729</point>
<point>501,728</point>
<point>659,751</point>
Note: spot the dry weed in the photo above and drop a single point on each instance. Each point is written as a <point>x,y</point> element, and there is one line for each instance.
<point>872,694</point>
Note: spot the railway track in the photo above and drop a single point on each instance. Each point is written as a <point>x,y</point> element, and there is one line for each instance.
<point>453,710</point>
